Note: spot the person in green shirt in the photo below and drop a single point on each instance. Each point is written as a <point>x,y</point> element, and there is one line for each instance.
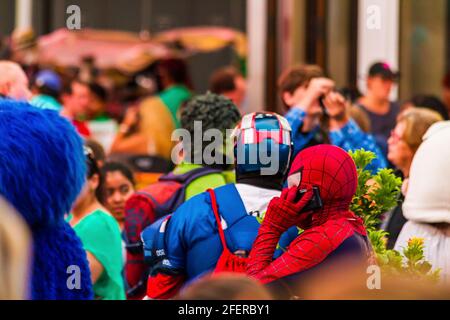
<point>212,112</point>
<point>201,184</point>
<point>46,89</point>
<point>100,234</point>
<point>147,129</point>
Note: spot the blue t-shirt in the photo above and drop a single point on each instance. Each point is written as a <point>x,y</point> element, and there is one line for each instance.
<point>383,124</point>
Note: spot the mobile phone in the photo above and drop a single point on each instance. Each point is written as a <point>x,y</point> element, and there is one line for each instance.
<point>322,105</point>
<point>314,204</point>
<point>321,102</point>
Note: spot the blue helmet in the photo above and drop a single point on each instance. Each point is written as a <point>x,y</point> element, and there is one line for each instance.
<point>263,145</point>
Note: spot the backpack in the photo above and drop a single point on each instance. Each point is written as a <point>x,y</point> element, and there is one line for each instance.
<point>228,262</point>
<point>145,207</point>
<point>155,255</point>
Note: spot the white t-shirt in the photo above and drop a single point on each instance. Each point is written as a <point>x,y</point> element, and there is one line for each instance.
<point>256,199</point>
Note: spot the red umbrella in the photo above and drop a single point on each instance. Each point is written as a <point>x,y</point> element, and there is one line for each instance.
<point>109,49</point>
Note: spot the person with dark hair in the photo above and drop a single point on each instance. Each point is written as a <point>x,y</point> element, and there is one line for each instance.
<point>100,234</point>
<point>118,188</point>
<point>76,100</point>
<point>97,149</point>
<point>147,130</point>
<point>102,127</point>
<point>230,83</point>
<point>351,93</point>
<point>173,71</point>
<point>318,114</point>
<point>213,112</point>
<point>429,102</point>
<point>47,89</point>
<point>188,179</point>
<point>97,106</point>
<point>381,111</point>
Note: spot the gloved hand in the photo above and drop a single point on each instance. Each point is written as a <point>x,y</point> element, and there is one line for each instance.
<point>284,211</point>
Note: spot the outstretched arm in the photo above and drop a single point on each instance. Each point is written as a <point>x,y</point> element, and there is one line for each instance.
<point>301,134</point>
<point>346,134</point>
<point>351,137</point>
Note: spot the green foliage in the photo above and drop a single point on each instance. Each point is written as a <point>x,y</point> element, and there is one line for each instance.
<point>260,218</point>
<point>375,195</point>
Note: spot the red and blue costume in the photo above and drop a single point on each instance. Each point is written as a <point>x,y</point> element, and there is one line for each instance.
<point>215,231</point>
<point>329,231</point>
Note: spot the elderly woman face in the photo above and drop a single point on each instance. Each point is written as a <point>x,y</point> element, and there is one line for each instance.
<point>399,152</point>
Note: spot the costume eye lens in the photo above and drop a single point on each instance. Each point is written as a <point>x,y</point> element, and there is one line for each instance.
<point>294,179</point>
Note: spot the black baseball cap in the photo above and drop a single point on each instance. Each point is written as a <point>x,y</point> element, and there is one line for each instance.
<point>383,70</point>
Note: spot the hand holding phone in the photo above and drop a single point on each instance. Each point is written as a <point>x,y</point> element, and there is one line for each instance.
<point>314,204</point>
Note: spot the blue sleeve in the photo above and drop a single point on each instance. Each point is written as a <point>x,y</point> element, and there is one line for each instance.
<point>186,226</point>
<point>286,238</point>
<point>351,138</point>
<point>175,241</point>
<point>295,117</point>
<point>162,246</point>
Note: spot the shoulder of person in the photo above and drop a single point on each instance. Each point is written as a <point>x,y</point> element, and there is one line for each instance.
<point>98,218</point>
<point>198,207</point>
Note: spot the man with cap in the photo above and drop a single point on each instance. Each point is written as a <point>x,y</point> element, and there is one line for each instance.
<point>381,111</point>
<point>47,89</point>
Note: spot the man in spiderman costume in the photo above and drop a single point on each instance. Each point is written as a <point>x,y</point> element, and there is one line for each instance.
<point>331,230</point>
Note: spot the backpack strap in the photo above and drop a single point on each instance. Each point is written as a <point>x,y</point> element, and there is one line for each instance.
<point>155,255</point>
<point>189,176</point>
<point>148,195</point>
<point>218,220</point>
<point>183,180</point>
<point>153,241</point>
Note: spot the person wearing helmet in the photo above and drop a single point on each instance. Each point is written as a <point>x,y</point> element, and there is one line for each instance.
<point>321,184</point>
<point>214,231</point>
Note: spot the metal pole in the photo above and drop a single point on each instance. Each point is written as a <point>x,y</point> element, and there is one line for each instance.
<point>378,36</point>
<point>24,14</point>
<point>257,37</point>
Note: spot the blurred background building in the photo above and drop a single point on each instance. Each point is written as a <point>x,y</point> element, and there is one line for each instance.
<point>343,36</point>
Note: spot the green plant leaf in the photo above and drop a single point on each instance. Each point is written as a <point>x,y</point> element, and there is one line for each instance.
<point>375,195</point>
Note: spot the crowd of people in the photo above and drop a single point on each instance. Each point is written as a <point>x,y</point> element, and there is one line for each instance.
<point>73,210</point>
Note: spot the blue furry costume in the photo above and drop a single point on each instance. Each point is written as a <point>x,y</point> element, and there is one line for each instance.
<point>42,170</point>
